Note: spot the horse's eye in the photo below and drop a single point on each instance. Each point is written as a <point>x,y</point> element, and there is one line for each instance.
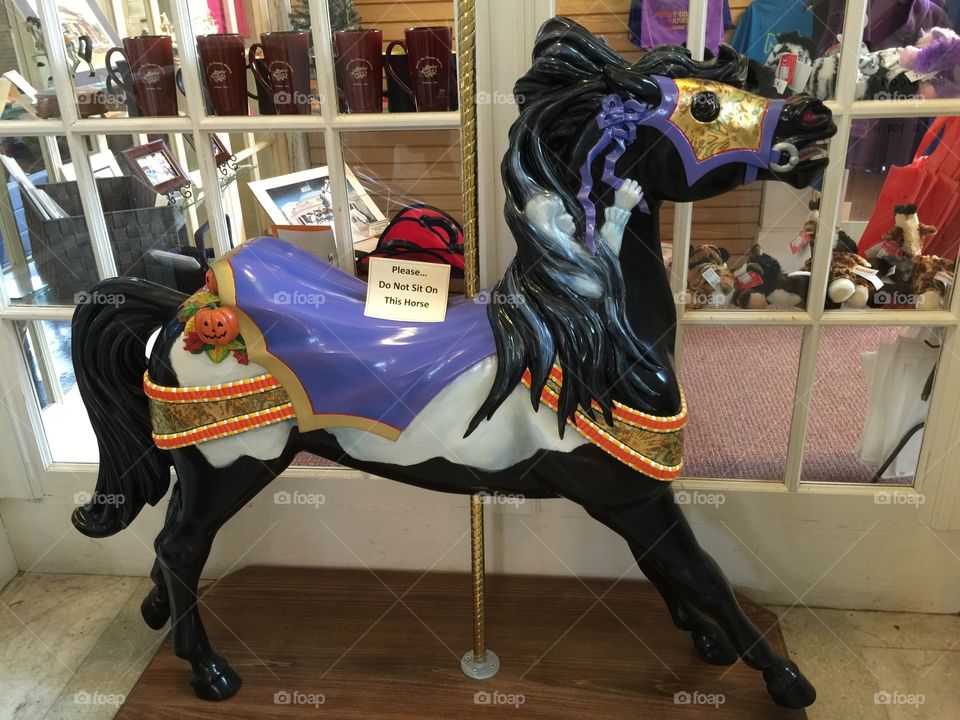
<point>705,107</point>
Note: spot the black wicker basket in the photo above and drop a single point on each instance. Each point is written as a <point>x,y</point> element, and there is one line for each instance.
<point>62,249</point>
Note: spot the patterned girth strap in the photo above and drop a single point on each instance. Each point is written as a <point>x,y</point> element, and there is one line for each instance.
<point>184,416</point>
<point>651,444</point>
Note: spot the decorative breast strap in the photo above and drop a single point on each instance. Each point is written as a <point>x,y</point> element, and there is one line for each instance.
<point>651,444</point>
<point>184,416</point>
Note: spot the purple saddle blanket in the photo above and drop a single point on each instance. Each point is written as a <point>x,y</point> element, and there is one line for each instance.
<point>302,319</point>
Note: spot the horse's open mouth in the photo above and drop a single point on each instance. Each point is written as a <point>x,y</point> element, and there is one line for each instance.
<point>786,156</point>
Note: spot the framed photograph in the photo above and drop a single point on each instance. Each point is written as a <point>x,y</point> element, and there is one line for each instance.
<point>305,198</point>
<point>221,156</point>
<point>156,166</point>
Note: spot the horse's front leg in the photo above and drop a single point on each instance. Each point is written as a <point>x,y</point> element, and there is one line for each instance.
<point>660,531</point>
<point>209,497</point>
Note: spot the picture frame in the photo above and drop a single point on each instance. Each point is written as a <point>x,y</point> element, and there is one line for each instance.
<point>305,198</point>
<point>221,156</point>
<point>155,165</point>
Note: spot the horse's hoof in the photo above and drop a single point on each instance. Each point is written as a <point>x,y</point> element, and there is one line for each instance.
<point>713,648</point>
<point>215,681</point>
<point>787,685</point>
<point>155,609</point>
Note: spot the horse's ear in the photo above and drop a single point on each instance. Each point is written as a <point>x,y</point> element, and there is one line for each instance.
<point>643,87</point>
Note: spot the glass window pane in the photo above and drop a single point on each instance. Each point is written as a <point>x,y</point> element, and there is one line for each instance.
<point>909,55</point>
<point>739,419</point>
<point>750,248</point>
<point>256,58</point>
<point>46,350</point>
<point>899,214</point>
<point>154,204</point>
<point>394,57</point>
<point>398,169</point>
<point>122,59</point>
<point>870,394</point>
<point>47,256</point>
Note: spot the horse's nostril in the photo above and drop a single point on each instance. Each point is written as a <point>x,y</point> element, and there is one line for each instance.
<point>813,114</point>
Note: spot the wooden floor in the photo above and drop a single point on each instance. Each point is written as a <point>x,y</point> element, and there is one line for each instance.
<point>389,647</point>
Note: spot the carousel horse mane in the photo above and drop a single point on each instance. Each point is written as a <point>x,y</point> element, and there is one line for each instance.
<point>536,313</point>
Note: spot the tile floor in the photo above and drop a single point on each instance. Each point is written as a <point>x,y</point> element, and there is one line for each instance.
<point>72,645</point>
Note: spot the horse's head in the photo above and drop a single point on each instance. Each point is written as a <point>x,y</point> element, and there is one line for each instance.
<point>695,138</point>
<point>684,129</point>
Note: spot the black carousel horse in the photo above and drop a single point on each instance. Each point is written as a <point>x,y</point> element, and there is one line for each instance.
<point>583,321</point>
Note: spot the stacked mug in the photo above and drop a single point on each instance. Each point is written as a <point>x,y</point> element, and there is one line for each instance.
<point>421,78</point>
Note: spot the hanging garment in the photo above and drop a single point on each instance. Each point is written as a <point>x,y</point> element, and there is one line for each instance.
<point>763,19</point>
<point>664,22</point>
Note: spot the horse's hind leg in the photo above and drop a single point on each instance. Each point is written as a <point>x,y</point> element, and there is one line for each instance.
<point>659,530</point>
<point>208,498</point>
<point>155,607</point>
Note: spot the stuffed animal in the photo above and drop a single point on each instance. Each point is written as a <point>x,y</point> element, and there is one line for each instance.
<point>907,234</point>
<point>932,61</point>
<point>709,281</point>
<point>850,284</point>
<point>931,280</point>
<point>912,277</point>
<point>757,276</point>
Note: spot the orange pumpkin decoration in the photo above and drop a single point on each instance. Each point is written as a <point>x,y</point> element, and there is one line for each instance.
<point>210,279</point>
<point>216,326</point>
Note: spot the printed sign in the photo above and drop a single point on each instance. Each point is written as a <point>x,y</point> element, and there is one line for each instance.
<point>407,290</point>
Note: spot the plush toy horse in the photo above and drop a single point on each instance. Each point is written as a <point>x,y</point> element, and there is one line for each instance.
<point>560,385</point>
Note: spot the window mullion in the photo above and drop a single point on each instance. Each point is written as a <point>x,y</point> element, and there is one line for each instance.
<point>327,83</point>
<point>209,175</point>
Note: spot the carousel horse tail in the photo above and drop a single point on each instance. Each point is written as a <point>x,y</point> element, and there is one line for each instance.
<point>111,326</point>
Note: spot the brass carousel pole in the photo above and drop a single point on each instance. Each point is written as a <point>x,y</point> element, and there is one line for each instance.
<point>479,663</point>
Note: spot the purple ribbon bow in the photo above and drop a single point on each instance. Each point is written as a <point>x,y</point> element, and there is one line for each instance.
<point>618,120</point>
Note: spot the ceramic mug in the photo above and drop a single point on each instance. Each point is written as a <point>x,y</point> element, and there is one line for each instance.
<point>284,71</point>
<point>149,76</point>
<point>429,51</point>
<point>223,64</point>
<point>360,67</point>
